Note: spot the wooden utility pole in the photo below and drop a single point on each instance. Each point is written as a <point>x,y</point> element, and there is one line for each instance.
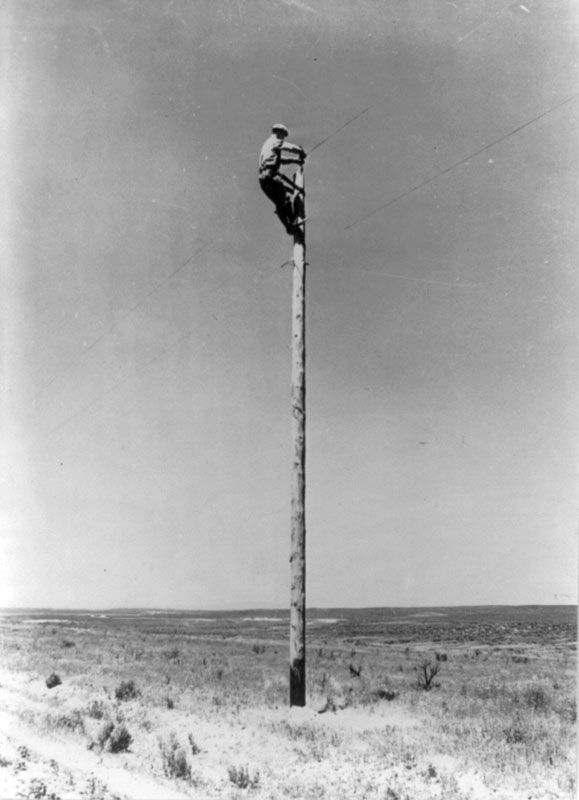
<point>298,482</point>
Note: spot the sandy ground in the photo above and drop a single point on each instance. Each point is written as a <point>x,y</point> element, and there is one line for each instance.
<point>55,767</point>
<point>36,762</point>
<point>49,764</point>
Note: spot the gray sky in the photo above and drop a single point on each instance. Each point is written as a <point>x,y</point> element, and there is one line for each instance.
<point>146,417</point>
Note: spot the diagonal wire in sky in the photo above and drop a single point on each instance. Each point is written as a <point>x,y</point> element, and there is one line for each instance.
<point>486,21</point>
<point>413,279</point>
<point>112,327</point>
<point>120,383</point>
<point>341,128</point>
<point>458,163</point>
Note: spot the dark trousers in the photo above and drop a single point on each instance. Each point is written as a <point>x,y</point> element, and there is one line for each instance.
<point>274,187</point>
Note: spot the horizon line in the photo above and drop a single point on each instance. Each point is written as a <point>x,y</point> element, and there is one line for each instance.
<point>277,608</point>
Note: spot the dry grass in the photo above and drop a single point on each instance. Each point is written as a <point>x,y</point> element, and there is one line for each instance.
<point>501,722</point>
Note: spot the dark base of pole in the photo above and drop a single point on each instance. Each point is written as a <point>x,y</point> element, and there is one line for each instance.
<point>298,683</point>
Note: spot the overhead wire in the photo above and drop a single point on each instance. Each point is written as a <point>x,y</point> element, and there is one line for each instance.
<point>137,305</point>
<point>95,400</point>
<point>121,319</point>
<point>371,213</point>
<point>341,128</point>
<point>459,163</point>
<point>412,279</point>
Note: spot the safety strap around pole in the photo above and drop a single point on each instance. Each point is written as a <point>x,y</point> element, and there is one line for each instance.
<point>291,183</point>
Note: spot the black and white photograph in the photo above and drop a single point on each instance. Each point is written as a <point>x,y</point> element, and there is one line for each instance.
<point>289,399</point>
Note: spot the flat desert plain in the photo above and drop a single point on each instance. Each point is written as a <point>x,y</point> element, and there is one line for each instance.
<point>402,704</point>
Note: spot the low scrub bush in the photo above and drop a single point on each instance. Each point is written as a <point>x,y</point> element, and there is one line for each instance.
<point>126,690</point>
<point>24,752</point>
<point>96,709</point>
<point>537,698</point>
<point>120,740</point>
<point>174,758</point>
<point>104,734</point>
<point>385,694</point>
<point>427,671</point>
<point>38,790</point>
<point>114,739</point>
<point>53,680</point>
<point>72,722</point>
<point>240,777</point>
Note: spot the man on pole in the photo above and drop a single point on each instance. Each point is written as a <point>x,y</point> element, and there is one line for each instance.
<point>274,183</point>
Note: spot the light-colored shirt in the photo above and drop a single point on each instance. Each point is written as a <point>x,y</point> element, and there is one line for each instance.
<point>271,152</point>
<point>270,155</point>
